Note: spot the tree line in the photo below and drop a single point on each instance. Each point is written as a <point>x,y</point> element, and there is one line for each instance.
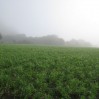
<point>44,40</point>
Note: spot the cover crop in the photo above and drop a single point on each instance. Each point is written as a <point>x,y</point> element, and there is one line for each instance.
<point>45,72</point>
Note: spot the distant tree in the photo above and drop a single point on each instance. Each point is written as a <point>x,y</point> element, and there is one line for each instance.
<point>0,36</point>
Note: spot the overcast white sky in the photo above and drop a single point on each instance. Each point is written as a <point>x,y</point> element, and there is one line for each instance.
<point>78,19</point>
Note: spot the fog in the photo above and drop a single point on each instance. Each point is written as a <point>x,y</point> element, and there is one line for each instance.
<point>68,19</point>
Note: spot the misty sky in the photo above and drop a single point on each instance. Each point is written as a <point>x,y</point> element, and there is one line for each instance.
<point>78,19</point>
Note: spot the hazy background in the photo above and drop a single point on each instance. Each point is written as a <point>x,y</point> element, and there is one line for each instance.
<point>69,19</point>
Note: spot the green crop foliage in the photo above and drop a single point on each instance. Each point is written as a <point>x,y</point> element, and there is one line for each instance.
<point>45,72</point>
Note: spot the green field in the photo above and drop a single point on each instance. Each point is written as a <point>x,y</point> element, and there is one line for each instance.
<point>45,72</point>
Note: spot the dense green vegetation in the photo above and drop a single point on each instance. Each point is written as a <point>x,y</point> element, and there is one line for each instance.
<point>38,72</point>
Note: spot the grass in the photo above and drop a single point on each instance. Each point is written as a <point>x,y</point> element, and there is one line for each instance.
<point>45,72</point>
